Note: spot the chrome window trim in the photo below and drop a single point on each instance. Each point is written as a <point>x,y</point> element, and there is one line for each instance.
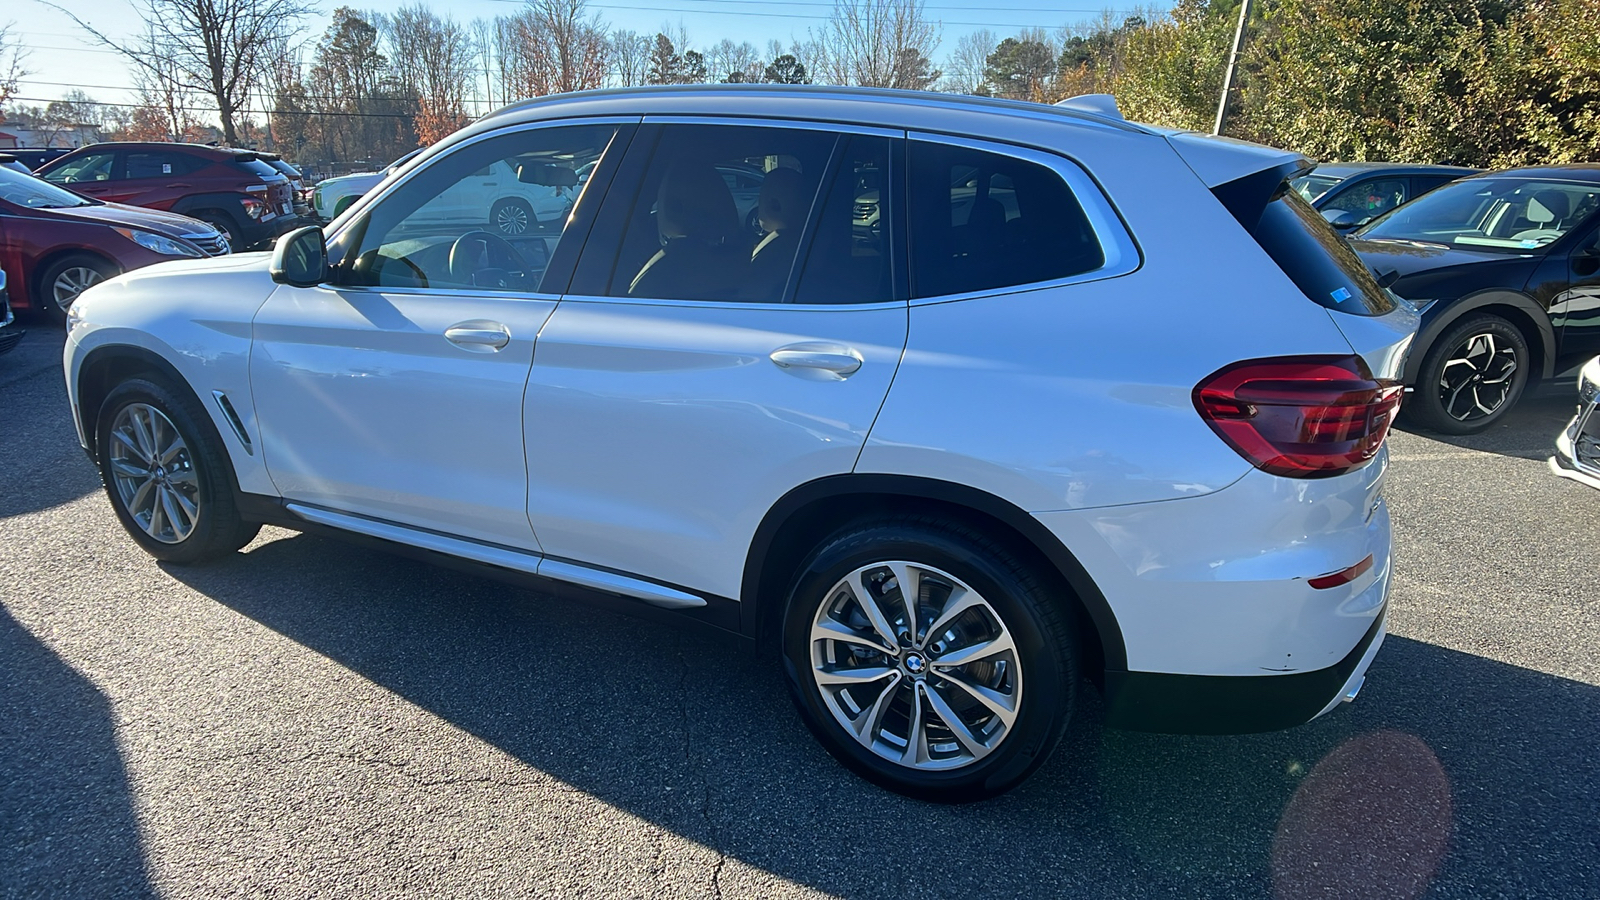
<point>425,160</point>
<point>742,121</point>
<point>480,294</point>
<point>1116,241</point>
<point>731,304</point>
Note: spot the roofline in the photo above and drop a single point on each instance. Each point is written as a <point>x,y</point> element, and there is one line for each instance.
<point>825,92</point>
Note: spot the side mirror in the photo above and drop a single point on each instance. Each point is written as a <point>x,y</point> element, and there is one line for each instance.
<point>547,175</point>
<point>300,258</point>
<point>1342,219</point>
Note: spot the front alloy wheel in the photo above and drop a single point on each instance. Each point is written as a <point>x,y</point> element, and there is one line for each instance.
<point>71,282</point>
<point>930,659</point>
<point>1477,377</point>
<point>153,473</point>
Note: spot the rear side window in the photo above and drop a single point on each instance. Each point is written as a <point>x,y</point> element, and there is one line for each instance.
<point>1316,258</point>
<point>147,164</point>
<point>983,221</point>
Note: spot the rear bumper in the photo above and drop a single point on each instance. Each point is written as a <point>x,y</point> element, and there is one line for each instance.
<point>1237,704</point>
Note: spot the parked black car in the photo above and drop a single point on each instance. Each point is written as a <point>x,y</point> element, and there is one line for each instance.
<point>1352,194</point>
<point>34,157</point>
<point>1578,445</point>
<point>1505,270</point>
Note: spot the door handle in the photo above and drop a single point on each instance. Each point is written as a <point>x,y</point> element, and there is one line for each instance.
<point>478,335</point>
<point>818,359</point>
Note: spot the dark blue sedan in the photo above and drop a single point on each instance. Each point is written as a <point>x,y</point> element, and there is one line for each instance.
<point>1352,194</point>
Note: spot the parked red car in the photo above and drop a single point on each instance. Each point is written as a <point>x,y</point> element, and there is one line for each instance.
<point>55,243</point>
<point>235,190</point>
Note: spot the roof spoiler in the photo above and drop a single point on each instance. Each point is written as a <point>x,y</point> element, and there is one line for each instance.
<point>1095,104</point>
<point>1244,176</point>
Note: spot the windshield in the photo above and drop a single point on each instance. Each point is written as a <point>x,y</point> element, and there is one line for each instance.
<point>1310,187</point>
<point>1497,214</point>
<point>36,193</point>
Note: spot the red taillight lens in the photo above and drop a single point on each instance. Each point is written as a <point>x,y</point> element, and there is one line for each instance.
<point>253,207</point>
<point>1300,416</point>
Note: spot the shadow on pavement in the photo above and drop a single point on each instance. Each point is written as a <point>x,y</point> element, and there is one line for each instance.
<point>1453,776</point>
<point>41,464</point>
<point>67,827</point>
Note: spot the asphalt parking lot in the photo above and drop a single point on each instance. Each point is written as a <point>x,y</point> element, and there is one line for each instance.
<point>311,719</point>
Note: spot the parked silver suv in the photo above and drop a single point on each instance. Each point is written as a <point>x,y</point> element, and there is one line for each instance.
<point>985,399</point>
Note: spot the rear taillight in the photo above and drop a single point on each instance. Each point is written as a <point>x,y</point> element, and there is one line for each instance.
<point>254,208</point>
<point>1300,416</point>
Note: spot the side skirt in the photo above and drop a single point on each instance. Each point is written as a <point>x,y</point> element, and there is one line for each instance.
<point>616,591</point>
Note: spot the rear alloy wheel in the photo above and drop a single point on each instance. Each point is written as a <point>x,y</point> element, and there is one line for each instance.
<point>1472,377</point>
<point>928,659</point>
<point>69,277</point>
<point>511,218</point>
<point>165,473</point>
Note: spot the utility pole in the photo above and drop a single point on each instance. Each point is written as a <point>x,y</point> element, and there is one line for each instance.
<point>1233,62</point>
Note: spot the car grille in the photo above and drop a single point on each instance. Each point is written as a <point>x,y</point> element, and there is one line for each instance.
<point>212,244</point>
<point>865,210</point>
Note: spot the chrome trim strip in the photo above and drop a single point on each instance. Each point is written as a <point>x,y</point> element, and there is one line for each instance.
<point>1121,251</point>
<point>505,557</point>
<point>733,304</point>
<point>612,583</point>
<point>744,121</point>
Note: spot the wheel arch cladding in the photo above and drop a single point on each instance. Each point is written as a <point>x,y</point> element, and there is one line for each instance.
<point>799,520</point>
<point>106,367</point>
<point>1517,308</point>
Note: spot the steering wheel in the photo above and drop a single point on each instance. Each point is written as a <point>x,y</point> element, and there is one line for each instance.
<point>484,259</point>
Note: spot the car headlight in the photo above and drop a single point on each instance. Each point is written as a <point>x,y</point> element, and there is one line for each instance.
<point>156,243</point>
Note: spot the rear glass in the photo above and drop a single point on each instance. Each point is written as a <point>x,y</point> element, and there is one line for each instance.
<point>256,167</point>
<point>1316,258</point>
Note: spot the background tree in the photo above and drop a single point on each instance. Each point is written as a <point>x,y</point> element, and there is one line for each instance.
<point>964,67</point>
<point>1021,69</point>
<point>786,68</point>
<point>630,57</point>
<point>555,46</point>
<point>434,61</point>
<point>665,66</point>
<point>876,43</point>
<point>12,58</point>
<point>217,47</point>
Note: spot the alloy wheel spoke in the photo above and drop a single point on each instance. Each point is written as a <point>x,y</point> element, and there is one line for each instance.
<point>832,629</point>
<point>141,433</point>
<point>862,675</point>
<point>157,515</point>
<point>1001,705</point>
<point>909,583</point>
<point>184,477</point>
<point>173,448</point>
<point>954,722</point>
<point>141,496</point>
<point>188,507</point>
<point>170,512</point>
<point>870,722</point>
<point>916,752</point>
<point>960,601</point>
<point>126,439</point>
<point>127,469</point>
<point>975,652</point>
<point>869,607</point>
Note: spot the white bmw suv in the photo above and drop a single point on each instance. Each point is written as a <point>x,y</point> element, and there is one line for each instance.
<point>1080,401</point>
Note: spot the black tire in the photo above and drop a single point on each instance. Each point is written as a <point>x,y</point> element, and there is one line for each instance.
<point>217,527</point>
<point>222,221</point>
<point>1461,376</point>
<point>512,218</point>
<point>1040,625</point>
<point>65,267</point>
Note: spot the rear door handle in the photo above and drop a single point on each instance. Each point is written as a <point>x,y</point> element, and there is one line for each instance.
<point>478,335</point>
<point>818,359</point>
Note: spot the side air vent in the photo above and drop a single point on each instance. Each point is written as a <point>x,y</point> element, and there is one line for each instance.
<point>233,419</point>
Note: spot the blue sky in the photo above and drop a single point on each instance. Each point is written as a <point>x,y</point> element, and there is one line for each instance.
<point>61,56</point>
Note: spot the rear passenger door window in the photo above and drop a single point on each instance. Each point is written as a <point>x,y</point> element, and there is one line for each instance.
<point>1371,198</point>
<point>719,213</point>
<point>986,220</point>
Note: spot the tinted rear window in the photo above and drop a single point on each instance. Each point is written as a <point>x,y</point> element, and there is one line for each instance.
<point>256,167</point>
<point>1316,258</point>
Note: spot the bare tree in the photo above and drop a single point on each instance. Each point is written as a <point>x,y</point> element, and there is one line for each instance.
<point>12,70</point>
<point>433,61</point>
<point>630,57</point>
<point>215,46</point>
<point>555,46</point>
<point>876,43</point>
<point>964,68</point>
<point>732,62</point>
<point>166,101</point>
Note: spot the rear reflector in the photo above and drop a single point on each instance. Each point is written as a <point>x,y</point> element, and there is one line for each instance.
<point>1300,416</point>
<point>1342,577</point>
